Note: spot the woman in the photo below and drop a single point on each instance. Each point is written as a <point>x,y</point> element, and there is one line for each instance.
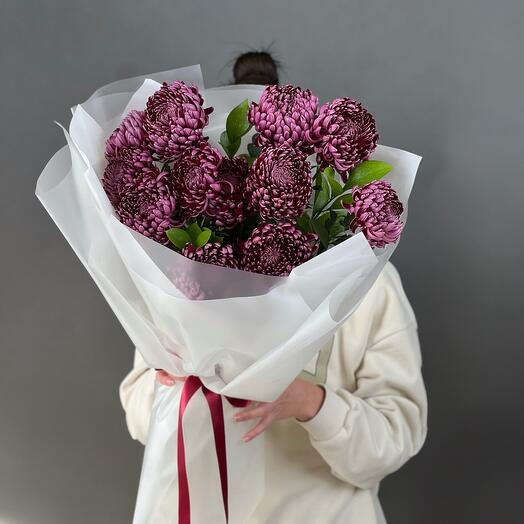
<point>356,413</point>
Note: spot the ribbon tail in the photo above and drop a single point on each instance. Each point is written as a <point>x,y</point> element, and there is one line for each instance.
<point>191,386</point>
<point>217,417</point>
<point>216,409</point>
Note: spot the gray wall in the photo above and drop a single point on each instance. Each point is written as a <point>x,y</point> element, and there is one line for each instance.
<point>444,79</point>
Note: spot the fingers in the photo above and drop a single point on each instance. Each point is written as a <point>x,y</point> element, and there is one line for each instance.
<point>167,379</point>
<point>259,428</point>
<point>257,411</point>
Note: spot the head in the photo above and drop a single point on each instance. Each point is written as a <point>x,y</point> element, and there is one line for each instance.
<point>255,67</point>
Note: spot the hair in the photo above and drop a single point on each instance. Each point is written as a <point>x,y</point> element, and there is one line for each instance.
<point>256,67</point>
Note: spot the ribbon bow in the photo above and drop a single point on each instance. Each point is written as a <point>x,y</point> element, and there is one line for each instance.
<point>191,385</point>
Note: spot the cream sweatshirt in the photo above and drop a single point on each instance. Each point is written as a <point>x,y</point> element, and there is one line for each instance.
<point>373,418</point>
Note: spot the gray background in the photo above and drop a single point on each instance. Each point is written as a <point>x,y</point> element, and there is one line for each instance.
<point>444,80</point>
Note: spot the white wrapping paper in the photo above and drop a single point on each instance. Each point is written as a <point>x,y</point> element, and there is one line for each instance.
<point>246,335</point>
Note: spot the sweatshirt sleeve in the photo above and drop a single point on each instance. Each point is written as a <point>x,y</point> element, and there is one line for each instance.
<point>137,392</point>
<point>369,432</point>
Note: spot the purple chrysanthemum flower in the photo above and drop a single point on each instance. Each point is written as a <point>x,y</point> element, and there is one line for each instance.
<point>188,285</point>
<point>195,176</point>
<point>174,119</point>
<point>226,202</point>
<point>128,135</point>
<point>343,134</point>
<point>284,114</point>
<point>212,253</point>
<point>118,175</point>
<point>376,210</point>
<point>126,151</point>
<point>148,205</point>
<point>279,183</point>
<point>138,157</point>
<point>275,249</point>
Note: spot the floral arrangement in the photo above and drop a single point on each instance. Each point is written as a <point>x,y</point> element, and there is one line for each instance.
<point>266,182</point>
<point>306,182</point>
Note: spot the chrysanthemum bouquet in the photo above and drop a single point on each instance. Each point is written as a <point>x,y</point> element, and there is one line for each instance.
<point>231,244</point>
<point>267,210</point>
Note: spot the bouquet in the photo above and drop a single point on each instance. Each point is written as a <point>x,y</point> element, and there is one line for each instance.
<point>232,230</point>
<point>267,210</point>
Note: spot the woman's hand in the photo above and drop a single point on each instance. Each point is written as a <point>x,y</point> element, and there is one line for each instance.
<point>166,379</point>
<point>301,400</point>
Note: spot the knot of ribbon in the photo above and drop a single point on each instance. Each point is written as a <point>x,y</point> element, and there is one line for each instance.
<point>191,385</point>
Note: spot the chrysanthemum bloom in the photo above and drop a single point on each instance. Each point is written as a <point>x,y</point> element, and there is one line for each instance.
<point>343,134</point>
<point>283,115</point>
<point>117,175</point>
<point>212,253</point>
<point>188,285</point>
<point>275,249</point>
<point>279,183</point>
<point>376,210</point>
<point>149,204</point>
<point>195,176</point>
<point>128,135</point>
<point>174,119</point>
<point>226,203</point>
<point>126,145</point>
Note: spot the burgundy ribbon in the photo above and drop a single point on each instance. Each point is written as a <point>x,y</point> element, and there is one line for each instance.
<point>191,386</point>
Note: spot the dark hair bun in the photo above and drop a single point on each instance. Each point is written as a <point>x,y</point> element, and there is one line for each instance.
<point>255,67</point>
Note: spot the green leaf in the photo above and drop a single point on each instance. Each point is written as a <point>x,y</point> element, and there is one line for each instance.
<point>347,220</point>
<point>332,218</point>
<point>253,150</point>
<point>336,187</point>
<point>323,218</point>
<point>229,147</point>
<point>215,238</point>
<point>340,238</point>
<point>193,230</point>
<point>329,174</point>
<point>336,229</point>
<point>178,237</point>
<point>367,172</point>
<point>304,223</point>
<point>335,224</point>
<point>329,171</point>
<point>345,199</point>
<point>322,196</point>
<point>203,237</point>
<point>330,188</point>
<point>322,232</point>
<point>237,124</point>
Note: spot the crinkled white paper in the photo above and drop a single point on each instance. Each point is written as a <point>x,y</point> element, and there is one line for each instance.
<point>246,335</point>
